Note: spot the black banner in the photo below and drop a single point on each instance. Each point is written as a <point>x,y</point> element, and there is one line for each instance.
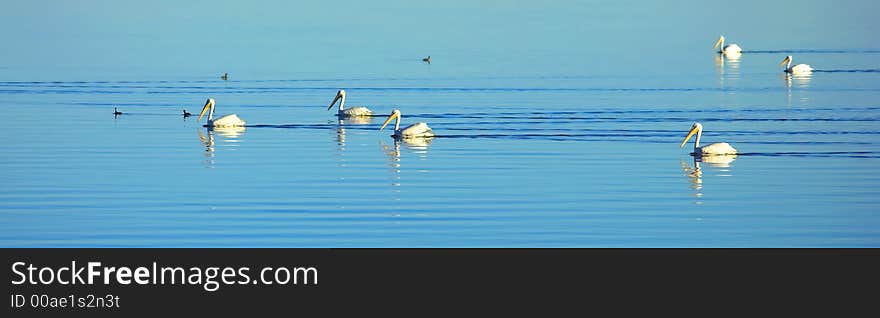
<point>415,282</point>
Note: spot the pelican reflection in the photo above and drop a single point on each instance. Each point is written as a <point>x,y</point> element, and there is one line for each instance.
<point>798,80</point>
<point>720,165</point>
<point>358,120</point>
<point>341,123</point>
<point>417,146</point>
<point>208,141</point>
<point>727,67</point>
<point>718,161</point>
<point>695,176</point>
<point>723,62</point>
<point>229,135</point>
<point>340,135</point>
<point>393,154</point>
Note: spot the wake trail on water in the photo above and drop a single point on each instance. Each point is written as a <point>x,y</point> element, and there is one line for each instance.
<point>816,51</point>
<point>823,154</point>
<point>849,71</point>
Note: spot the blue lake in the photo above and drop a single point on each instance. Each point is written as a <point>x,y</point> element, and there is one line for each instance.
<point>558,125</point>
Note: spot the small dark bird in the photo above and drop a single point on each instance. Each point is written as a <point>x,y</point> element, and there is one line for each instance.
<point>116,112</point>
<point>225,76</point>
<point>186,114</point>
<point>427,59</point>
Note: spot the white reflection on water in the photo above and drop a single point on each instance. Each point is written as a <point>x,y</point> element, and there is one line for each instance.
<point>719,164</point>
<point>695,177</point>
<point>801,81</point>
<point>417,146</point>
<point>340,137</point>
<point>716,161</point>
<point>341,123</point>
<point>229,134</point>
<point>547,137</point>
<point>356,120</point>
<point>208,141</point>
<point>393,154</point>
<point>727,66</point>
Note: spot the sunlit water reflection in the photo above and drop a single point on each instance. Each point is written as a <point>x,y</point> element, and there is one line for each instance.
<point>554,128</point>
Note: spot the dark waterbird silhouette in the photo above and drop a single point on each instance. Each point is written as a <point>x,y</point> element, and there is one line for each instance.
<point>225,76</point>
<point>427,59</point>
<point>186,113</point>
<point>116,112</point>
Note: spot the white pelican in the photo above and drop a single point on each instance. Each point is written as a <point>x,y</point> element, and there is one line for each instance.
<point>732,49</point>
<point>718,148</point>
<point>797,69</point>
<point>350,112</point>
<point>417,130</point>
<point>231,120</point>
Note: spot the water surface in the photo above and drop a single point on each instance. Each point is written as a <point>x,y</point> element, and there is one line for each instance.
<point>558,126</point>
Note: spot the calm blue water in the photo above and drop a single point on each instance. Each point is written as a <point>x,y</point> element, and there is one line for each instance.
<point>558,125</point>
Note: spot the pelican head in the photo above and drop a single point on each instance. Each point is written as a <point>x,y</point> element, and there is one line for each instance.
<point>697,128</point>
<point>786,60</point>
<point>339,95</point>
<point>209,104</point>
<point>719,43</point>
<point>394,114</point>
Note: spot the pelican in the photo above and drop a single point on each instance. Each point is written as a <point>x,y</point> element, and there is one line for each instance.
<point>186,113</point>
<point>718,148</point>
<point>116,112</point>
<point>350,112</point>
<point>417,130</point>
<point>797,69</point>
<point>427,59</point>
<point>732,49</point>
<point>231,120</point>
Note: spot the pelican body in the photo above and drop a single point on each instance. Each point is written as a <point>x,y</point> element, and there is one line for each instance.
<point>417,130</point>
<point>716,149</point>
<point>348,112</point>
<point>726,49</point>
<point>231,120</point>
<point>797,69</point>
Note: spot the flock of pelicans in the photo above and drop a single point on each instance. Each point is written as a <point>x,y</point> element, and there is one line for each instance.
<point>421,130</point>
<point>417,130</point>
<point>734,51</point>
